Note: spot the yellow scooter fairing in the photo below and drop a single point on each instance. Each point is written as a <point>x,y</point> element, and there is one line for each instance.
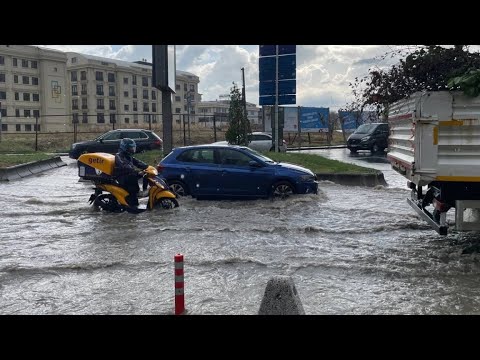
<point>119,193</point>
<point>158,192</point>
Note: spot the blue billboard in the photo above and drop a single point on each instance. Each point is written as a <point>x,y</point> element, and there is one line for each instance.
<point>353,119</point>
<point>314,119</point>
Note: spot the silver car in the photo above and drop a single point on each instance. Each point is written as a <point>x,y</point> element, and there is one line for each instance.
<point>260,141</point>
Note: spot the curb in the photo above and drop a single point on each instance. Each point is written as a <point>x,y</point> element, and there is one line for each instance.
<point>31,168</point>
<point>369,180</point>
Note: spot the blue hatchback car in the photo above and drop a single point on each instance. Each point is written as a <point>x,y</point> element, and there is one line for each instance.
<point>212,171</point>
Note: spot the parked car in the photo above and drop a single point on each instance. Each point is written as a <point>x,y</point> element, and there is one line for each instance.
<point>260,141</point>
<point>373,137</point>
<point>110,141</point>
<point>230,171</point>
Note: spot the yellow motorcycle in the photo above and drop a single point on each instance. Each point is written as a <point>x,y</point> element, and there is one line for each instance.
<point>98,167</point>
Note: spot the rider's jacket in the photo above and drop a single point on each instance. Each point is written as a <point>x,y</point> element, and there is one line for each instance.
<point>125,164</point>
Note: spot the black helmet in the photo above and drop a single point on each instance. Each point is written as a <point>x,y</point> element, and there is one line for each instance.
<point>128,145</point>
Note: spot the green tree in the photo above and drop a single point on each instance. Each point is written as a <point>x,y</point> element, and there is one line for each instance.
<point>239,125</point>
<point>428,67</point>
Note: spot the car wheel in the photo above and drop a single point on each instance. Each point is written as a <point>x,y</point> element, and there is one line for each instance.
<point>353,151</point>
<point>375,148</point>
<point>282,190</point>
<point>178,187</point>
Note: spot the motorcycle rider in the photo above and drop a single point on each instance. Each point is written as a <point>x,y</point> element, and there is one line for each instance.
<point>125,170</point>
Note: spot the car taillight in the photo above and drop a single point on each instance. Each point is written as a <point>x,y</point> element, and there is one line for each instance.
<point>160,168</point>
<point>158,142</point>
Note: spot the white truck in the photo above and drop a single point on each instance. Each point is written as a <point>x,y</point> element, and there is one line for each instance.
<point>434,142</point>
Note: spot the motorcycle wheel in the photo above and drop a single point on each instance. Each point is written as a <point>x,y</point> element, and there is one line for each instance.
<point>167,203</point>
<point>107,202</point>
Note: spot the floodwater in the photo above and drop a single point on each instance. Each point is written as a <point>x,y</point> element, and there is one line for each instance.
<point>349,250</point>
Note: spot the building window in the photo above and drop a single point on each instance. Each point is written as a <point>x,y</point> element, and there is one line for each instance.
<point>36,127</point>
<point>99,75</point>
<point>2,77</point>
<point>28,127</point>
<point>24,63</point>
<point>25,79</point>
<point>127,120</point>
<point>184,107</point>
<point>17,112</point>
<point>125,80</point>
<point>99,89</point>
<point>145,94</point>
<point>4,127</point>
<point>83,75</point>
<point>135,106</point>
<point>135,118</point>
<point>112,118</point>
<point>84,103</point>
<point>154,95</point>
<point>75,118</point>
<point>55,69</point>
<point>26,113</point>
<point>177,110</point>
<point>145,106</point>
<point>144,81</point>
<point>111,91</point>
<point>100,119</point>
<point>126,107</point>
<point>36,97</point>
<point>34,64</point>
<point>100,104</point>
<point>3,95</point>
<point>111,77</point>
<point>17,96</point>
<point>36,113</point>
<point>112,104</point>
<point>125,94</point>
<point>177,86</point>
<point>134,79</point>
<point>74,60</point>
<point>15,62</point>
<point>73,76</point>
<point>154,107</point>
<point>85,118</point>
<point>34,81</point>
<point>2,60</point>
<point>185,88</point>
<point>18,127</point>
<point>75,104</point>
<point>84,89</point>
<point>15,79</point>
<point>26,96</point>
<point>3,112</point>
<point>192,87</point>
<point>178,98</point>
<point>134,93</point>
<point>74,90</point>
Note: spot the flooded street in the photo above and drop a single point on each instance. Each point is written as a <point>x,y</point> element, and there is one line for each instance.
<point>349,250</point>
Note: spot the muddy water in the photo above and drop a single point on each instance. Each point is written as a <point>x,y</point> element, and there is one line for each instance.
<point>349,250</point>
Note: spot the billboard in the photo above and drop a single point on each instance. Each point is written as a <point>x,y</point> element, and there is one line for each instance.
<point>353,119</point>
<point>288,116</point>
<point>314,119</point>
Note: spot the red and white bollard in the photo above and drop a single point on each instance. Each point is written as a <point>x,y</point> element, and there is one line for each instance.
<point>179,294</point>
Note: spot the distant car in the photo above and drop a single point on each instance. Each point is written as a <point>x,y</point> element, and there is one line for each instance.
<point>373,137</point>
<point>109,142</point>
<point>232,171</point>
<point>260,141</point>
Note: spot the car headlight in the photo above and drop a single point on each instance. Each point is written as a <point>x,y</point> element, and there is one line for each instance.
<point>307,178</point>
<point>74,146</point>
<point>366,138</point>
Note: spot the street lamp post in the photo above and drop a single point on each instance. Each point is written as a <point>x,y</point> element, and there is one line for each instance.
<point>190,93</point>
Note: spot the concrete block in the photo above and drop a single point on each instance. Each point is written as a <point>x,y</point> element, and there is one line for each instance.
<point>281,298</point>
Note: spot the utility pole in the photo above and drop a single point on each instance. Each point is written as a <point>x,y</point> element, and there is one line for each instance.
<point>276,98</point>
<point>244,108</point>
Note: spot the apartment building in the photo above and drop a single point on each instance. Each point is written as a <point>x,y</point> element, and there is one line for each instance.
<point>107,91</point>
<point>32,86</point>
<point>219,108</point>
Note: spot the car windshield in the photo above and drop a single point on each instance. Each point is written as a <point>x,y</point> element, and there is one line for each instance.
<point>365,129</point>
<point>261,156</point>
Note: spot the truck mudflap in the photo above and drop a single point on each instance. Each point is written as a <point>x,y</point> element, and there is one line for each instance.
<point>428,217</point>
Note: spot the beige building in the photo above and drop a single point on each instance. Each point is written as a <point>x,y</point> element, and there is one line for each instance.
<point>186,98</point>
<point>32,86</point>
<point>219,108</point>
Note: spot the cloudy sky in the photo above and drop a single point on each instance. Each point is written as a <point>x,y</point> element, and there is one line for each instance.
<point>323,71</point>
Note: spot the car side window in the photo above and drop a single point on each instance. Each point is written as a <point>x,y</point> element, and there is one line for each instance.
<point>113,136</point>
<point>263,137</point>
<point>233,157</point>
<point>197,156</point>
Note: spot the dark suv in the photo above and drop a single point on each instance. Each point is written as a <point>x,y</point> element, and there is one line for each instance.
<point>373,137</point>
<point>110,142</point>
